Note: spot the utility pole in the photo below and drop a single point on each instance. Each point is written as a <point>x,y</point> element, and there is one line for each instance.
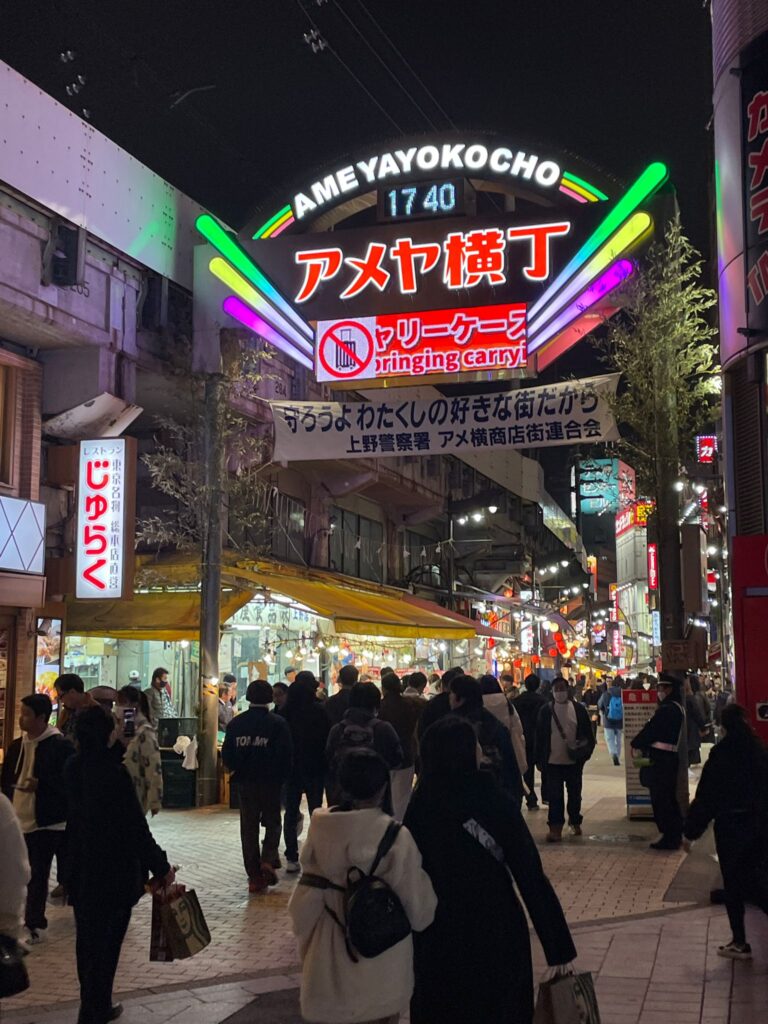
<point>210,587</point>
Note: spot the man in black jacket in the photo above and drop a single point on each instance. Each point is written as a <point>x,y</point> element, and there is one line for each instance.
<point>439,705</point>
<point>466,700</point>
<point>528,705</point>
<point>661,737</point>
<point>336,705</point>
<point>257,748</point>
<point>33,780</point>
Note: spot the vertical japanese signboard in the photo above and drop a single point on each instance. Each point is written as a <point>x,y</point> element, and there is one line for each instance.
<point>106,489</point>
<point>639,707</point>
<point>653,566</point>
<point>754,103</point>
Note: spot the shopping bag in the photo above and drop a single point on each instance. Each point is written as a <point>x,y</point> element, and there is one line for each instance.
<point>184,925</point>
<point>159,947</point>
<point>567,999</point>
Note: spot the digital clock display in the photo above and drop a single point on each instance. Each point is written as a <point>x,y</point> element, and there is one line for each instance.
<point>423,200</point>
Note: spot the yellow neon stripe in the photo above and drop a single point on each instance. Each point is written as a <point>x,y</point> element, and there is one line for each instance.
<point>276,225</point>
<point>578,188</point>
<point>230,277</point>
<point>630,233</point>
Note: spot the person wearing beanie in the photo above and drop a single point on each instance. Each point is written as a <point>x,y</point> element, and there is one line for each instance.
<point>257,749</point>
<point>661,737</point>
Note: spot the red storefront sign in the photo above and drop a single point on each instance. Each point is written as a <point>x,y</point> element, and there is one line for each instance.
<point>104,538</point>
<point>461,340</point>
<point>706,448</point>
<point>636,515</point>
<point>653,567</point>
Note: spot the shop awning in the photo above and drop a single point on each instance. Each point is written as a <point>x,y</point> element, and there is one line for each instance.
<point>166,615</point>
<point>353,606</point>
<point>357,607</point>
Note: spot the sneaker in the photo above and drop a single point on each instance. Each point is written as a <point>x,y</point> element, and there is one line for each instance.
<point>268,873</point>
<point>736,951</point>
<point>256,886</point>
<point>292,867</point>
<point>575,830</point>
<point>33,936</point>
<point>59,893</point>
<point>116,1011</point>
<point>616,760</point>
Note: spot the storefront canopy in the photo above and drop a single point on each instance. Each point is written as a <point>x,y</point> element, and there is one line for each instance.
<point>354,606</point>
<point>167,615</point>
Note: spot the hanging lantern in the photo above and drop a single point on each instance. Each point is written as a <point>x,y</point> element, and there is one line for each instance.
<point>553,652</point>
<point>517,663</point>
<point>535,659</point>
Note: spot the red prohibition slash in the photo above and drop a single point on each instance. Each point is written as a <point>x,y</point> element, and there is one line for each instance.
<point>356,363</point>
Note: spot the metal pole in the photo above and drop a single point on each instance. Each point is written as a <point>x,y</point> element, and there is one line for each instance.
<point>210,589</point>
<point>451,565</point>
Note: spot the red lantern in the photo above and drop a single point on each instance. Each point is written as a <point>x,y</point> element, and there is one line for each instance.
<point>558,637</point>
<point>535,659</point>
<point>553,652</point>
<point>518,663</point>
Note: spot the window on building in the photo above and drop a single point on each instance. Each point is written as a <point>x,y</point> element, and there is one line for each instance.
<point>7,422</point>
<point>356,545</point>
<point>288,529</point>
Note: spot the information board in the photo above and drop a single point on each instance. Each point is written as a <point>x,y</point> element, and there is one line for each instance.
<point>639,707</point>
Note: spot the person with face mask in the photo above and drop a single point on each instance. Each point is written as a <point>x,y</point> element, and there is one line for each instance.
<point>142,753</point>
<point>661,736</point>
<point>564,743</point>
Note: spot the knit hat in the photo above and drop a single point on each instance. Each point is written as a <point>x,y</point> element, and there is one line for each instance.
<point>259,693</point>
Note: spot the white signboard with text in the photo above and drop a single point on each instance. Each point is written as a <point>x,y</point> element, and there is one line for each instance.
<point>639,707</point>
<point>104,542</point>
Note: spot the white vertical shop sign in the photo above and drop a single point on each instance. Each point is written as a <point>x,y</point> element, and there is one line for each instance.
<point>105,514</point>
<point>639,707</point>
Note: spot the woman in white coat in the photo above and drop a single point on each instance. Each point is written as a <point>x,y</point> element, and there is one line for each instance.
<point>495,701</point>
<point>14,871</point>
<point>142,752</point>
<point>334,988</point>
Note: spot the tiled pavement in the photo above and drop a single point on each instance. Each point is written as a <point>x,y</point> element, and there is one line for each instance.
<point>652,955</point>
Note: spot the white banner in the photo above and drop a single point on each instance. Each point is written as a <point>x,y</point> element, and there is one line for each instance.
<point>573,412</point>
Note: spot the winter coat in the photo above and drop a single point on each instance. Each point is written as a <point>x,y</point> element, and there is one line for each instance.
<point>734,781</point>
<point>473,964</point>
<point>505,712</point>
<point>257,747</point>
<point>528,705</point>
<point>14,870</point>
<point>695,723</point>
<point>334,989</point>
<point>309,728</point>
<point>336,705</point>
<point>110,850</point>
<point>436,708</point>
<point>384,742</point>
<point>665,727</point>
<point>142,761</point>
<point>51,753</point>
<point>498,753</point>
<point>604,704</point>
<point>544,732</point>
<point>403,714</point>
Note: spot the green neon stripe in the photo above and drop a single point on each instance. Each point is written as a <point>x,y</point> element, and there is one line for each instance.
<point>585,184</point>
<point>230,249</point>
<point>652,178</point>
<point>268,224</point>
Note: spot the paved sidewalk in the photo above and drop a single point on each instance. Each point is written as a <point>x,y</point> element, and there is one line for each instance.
<point>638,921</point>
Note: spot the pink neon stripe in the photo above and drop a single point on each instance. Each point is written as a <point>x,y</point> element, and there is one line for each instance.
<point>282,228</point>
<point>573,195</point>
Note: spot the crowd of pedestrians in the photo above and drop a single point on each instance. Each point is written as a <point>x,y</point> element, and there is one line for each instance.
<point>417,867</point>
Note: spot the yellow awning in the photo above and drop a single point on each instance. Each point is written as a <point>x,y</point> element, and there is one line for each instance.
<point>167,615</point>
<point>354,606</point>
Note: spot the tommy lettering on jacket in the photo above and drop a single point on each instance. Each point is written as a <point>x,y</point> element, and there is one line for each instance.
<point>252,741</point>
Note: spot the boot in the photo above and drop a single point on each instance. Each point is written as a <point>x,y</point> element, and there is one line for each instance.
<point>555,834</point>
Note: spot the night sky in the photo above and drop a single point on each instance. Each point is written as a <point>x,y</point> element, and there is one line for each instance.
<point>619,84</point>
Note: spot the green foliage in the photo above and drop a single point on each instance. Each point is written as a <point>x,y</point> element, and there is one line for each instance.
<point>663,345</point>
<point>177,467</point>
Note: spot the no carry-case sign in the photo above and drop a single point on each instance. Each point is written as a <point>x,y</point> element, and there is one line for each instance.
<point>346,349</point>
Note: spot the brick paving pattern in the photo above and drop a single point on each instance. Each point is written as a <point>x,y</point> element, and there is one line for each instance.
<point>648,943</point>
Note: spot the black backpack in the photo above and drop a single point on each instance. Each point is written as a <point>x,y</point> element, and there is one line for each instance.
<point>374,918</point>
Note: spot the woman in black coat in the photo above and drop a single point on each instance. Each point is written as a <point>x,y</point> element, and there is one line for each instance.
<point>474,962</point>
<point>734,792</point>
<point>110,854</point>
